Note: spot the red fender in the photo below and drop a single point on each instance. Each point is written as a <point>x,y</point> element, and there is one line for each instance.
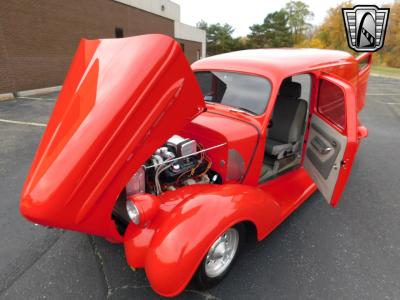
<point>184,237</point>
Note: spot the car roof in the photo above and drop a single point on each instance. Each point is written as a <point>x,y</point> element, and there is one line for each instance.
<point>275,63</point>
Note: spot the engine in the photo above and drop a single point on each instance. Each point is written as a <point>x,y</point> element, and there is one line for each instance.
<point>179,162</point>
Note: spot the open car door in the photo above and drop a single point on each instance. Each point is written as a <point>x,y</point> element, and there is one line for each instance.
<point>333,142</point>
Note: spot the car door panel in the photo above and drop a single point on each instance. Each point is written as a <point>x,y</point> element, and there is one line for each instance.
<point>325,147</point>
<point>324,166</point>
<point>333,138</point>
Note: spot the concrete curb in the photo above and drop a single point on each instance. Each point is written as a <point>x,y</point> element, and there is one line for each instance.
<point>385,76</point>
<point>6,96</point>
<point>38,91</point>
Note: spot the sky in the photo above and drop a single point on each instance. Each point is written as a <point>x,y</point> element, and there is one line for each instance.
<point>243,13</point>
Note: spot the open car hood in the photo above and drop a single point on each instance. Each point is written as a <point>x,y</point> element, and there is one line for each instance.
<point>122,98</point>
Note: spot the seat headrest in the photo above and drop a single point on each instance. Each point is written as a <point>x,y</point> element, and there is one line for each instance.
<point>290,89</point>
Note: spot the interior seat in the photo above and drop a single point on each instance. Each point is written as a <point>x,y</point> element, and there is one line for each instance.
<point>287,121</point>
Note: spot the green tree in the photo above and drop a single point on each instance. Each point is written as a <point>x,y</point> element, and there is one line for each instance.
<point>219,37</point>
<point>274,32</point>
<point>240,43</point>
<point>257,39</point>
<point>299,15</point>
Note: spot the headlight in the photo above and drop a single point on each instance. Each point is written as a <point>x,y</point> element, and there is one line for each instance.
<point>133,212</point>
<point>142,208</point>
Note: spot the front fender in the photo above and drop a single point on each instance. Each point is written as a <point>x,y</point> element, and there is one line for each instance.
<point>183,239</point>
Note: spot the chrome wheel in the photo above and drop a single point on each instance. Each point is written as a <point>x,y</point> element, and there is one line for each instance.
<point>222,253</point>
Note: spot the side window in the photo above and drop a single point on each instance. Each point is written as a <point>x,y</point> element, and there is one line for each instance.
<point>363,63</point>
<point>331,103</point>
<point>242,91</point>
<point>206,84</point>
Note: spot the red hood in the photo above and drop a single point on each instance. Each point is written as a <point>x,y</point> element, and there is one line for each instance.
<point>122,99</point>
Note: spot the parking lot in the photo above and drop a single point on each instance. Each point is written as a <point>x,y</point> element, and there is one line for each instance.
<point>351,252</point>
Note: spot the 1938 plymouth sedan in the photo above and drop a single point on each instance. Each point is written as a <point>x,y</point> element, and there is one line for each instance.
<point>179,163</point>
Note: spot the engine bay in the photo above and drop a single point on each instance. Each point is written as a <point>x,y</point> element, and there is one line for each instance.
<point>179,162</point>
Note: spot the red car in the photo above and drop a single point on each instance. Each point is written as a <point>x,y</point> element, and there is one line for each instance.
<point>180,163</point>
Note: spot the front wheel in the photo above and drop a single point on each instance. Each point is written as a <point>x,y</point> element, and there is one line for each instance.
<point>220,257</point>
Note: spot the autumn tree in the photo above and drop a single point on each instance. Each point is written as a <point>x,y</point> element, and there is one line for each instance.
<point>332,32</point>
<point>390,53</point>
<point>331,35</point>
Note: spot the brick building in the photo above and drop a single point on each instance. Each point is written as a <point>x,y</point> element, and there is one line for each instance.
<point>38,38</point>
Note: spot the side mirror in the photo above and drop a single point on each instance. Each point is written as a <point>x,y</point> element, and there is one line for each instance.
<point>362,132</point>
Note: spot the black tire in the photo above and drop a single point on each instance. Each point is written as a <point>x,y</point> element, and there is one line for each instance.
<point>202,280</point>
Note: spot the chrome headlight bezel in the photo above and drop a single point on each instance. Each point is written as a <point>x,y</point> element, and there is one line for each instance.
<point>133,212</point>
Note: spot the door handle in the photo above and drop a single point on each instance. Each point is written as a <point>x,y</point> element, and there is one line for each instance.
<point>320,146</point>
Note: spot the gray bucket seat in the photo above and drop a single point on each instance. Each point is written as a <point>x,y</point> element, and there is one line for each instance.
<point>287,126</point>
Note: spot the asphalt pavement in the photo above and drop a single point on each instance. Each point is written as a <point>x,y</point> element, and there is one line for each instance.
<point>351,252</point>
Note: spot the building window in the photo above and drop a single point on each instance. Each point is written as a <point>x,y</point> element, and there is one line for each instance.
<point>119,32</point>
<point>182,46</point>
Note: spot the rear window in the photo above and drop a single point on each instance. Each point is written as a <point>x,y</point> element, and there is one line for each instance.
<point>331,103</point>
<point>246,92</point>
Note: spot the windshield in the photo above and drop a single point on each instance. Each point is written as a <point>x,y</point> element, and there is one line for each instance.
<point>246,92</point>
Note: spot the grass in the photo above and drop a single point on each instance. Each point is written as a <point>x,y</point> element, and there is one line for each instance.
<point>386,71</point>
